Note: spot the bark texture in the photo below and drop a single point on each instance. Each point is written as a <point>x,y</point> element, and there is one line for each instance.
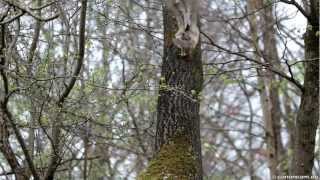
<point>178,106</point>
<point>308,114</point>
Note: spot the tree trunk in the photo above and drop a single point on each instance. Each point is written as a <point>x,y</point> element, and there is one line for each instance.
<point>308,114</point>
<point>270,55</point>
<point>269,91</point>
<point>7,151</point>
<point>177,141</point>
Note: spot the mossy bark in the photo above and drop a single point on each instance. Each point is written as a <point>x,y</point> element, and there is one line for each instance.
<point>175,161</point>
<point>177,142</point>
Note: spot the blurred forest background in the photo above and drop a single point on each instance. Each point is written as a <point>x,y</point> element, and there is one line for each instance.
<point>80,83</point>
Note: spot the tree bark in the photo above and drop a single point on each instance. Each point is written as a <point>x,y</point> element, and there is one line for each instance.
<point>308,115</point>
<point>178,128</point>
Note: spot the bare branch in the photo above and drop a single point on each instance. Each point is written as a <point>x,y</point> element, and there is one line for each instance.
<point>43,6</point>
<point>9,116</point>
<point>55,160</point>
<point>299,7</point>
<point>12,18</point>
<point>267,65</point>
<point>29,12</point>
<point>80,55</point>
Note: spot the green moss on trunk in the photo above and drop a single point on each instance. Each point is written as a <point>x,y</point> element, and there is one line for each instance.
<point>175,161</point>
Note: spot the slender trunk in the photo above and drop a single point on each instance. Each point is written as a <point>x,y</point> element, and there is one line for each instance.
<point>86,132</point>
<point>289,121</point>
<point>57,123</point>
<point>5,147</point>
<point>86,153</point>
<point>33,107</point>
<point>269,91</point>
<point>271,56</point>
<point>8,152</point>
